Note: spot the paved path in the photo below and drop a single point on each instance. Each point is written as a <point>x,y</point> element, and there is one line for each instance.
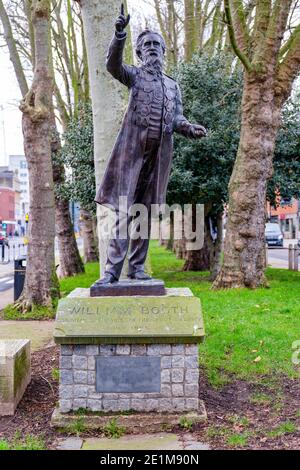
<point>6,297</point>
<point>161,441</point>
<point>40,333</point>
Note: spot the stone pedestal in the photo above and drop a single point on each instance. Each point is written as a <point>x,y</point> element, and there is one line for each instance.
<point>128,287</point>
<point>15,373</point>
<point>129,354</point>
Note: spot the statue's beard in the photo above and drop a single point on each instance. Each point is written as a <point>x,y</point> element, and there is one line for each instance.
<point>153,61</point>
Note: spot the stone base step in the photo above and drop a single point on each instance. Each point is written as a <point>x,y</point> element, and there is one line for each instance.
<point>134,423</point>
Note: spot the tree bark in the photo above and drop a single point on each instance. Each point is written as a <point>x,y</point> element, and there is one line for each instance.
<point>245,242</point>
<point>40,282</point>
<point>199,260</point>
<point>89,242</point>
<point>208,258</point>
<point>216,250</point>
<point>179,245</point>
<point>190,40</point>
<point>170,242</point>
<point>179,248</point>
<point>70,262</point>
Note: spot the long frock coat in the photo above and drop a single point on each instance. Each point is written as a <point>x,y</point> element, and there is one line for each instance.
<point>126,161</point>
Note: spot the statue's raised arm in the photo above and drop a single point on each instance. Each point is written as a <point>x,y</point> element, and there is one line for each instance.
<point>122,22</point>
<point>114,62</point>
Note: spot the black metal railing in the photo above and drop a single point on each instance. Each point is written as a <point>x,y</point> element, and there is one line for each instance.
<point>11,252</point>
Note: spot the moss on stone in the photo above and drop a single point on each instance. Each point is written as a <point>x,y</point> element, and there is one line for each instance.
<point>21,366</point>
<point>4,389</point>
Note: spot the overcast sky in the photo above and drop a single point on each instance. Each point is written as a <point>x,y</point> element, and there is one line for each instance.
<point>11,141</point>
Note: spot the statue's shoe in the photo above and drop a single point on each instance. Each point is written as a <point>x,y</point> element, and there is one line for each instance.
<point>140,276</point>
<point>108,278</point>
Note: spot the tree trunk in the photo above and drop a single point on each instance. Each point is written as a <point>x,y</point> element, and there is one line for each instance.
<point>179,248</point>
<point>190,42</point>
<point>216,250</point>
<point>108,96</point>
<point>165,231</point>
<point>89,242</point>
<point>170,242</point>
<point>70,262</point>
<point>40,281</point>
<point>209,257</point>
<point>13,51</point>
<point>245,235</point>
<point>199,260</point>
<point>179,245</point>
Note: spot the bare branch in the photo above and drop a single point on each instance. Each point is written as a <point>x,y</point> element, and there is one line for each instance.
<point>13,52</point>
<point>289,67</point>
<point>240,25</point>
<point>243,57</point>
<point>287,46</point>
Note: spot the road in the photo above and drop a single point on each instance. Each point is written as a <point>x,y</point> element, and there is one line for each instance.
<point>6,282</point>
<point>7,268</point>
<point>278,253</point>
<point>278,257</point>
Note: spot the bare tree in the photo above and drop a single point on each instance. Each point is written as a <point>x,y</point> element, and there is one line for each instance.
<point>270,55</point>
<point>108,100</point>
<point>40,282</point>
<point>21,38</point>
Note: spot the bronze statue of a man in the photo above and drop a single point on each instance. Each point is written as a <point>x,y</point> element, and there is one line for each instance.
<point>140,162</point>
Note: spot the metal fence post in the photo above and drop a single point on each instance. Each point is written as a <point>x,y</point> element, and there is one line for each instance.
<point>290,257</point>
<point>296,258</point>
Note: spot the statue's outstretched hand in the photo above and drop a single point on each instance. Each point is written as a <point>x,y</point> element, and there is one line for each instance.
<point>122,21</point>
<point>197,131</point>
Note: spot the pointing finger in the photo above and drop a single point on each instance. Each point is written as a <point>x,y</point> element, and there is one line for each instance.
<point>127,20</point>
<point>122,9</point>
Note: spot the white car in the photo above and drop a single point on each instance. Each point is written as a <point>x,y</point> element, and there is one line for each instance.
<point>273,235</point>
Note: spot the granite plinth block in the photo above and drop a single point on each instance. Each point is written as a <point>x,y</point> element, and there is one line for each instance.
<point>15,373</point>
<point>169,389</point>
<point>172,318</point>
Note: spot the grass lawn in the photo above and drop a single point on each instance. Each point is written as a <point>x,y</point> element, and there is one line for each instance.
<point>91,274</point>
<point>28,442</point>
<point>249,333</point>
<point>248,347</point>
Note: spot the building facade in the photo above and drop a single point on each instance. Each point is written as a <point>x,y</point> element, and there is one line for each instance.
<point>13,219</point>
<point>287,215</point>
<point>7,210</point>
<point>18,164</point>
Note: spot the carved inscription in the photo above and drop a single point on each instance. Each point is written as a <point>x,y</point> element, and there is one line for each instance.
<point>129,310</point>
